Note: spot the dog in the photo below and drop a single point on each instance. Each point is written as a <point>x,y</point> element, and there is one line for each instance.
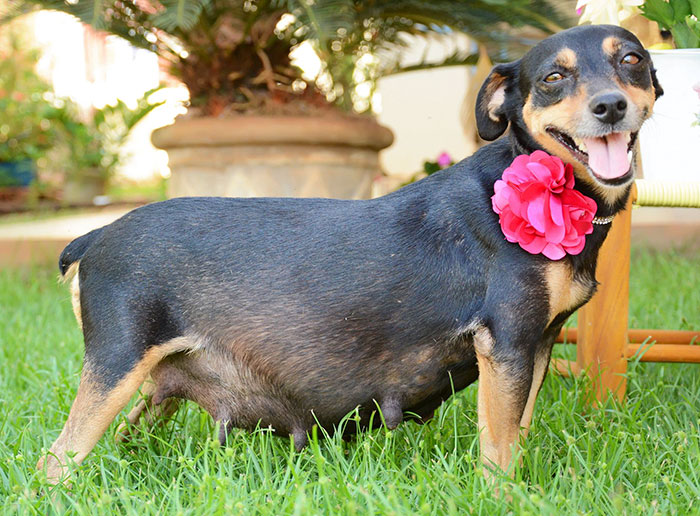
<point>291,313</point>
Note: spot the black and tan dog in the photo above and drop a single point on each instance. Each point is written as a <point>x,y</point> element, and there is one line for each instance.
<point>293,312</point>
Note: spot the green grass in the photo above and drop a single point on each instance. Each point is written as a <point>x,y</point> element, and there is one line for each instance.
<point>642,457</point>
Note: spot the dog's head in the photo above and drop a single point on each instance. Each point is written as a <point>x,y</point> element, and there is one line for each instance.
<point>581,95</point>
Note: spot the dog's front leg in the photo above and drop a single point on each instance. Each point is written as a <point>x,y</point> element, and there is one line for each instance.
<point>510,375</point>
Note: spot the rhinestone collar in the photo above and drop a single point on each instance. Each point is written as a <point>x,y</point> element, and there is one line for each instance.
<point>603,220</point>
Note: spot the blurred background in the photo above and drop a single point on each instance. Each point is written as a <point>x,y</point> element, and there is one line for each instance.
<point>107,105</point>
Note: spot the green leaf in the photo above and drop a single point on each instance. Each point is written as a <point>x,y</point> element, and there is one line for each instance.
<point>695,8</point>
<point>684,36</point>
<point>659,11</point>
<point>694,26</point>
<point>681,9</point>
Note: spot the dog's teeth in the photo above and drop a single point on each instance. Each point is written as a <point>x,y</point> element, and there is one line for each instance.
<point>580,144</point>
<point>628,136</point>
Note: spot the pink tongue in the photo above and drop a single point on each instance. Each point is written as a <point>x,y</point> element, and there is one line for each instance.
<point>607,156</point>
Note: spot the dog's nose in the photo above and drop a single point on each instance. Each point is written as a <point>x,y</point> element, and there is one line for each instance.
<point>609,107</point>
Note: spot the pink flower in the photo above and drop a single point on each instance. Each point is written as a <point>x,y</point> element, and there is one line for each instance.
<point>444,160</point>
<point>539,209</point>
<point>696,87</point>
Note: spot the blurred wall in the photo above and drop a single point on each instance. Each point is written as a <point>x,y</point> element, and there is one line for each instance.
<point>424,108</point>
<point>95,69</point>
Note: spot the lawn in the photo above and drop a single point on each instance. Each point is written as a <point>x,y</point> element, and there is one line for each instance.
<point>642,457</point>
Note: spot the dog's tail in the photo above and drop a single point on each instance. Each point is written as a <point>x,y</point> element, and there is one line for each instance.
<point>71,255</point>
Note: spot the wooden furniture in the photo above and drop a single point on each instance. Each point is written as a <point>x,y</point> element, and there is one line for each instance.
<point>604,342</point>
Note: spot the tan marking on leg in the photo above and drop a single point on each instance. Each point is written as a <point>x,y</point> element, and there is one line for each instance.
<point>124,431</point>
<point>564,293</point>
<point>538,374</point>
<point>498,409</point>
<point>93,410</point>
<point>610,45</point>
<point>152,415</point>
<point>566,58</point>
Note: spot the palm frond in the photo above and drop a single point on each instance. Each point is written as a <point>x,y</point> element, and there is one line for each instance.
<point>13,9</point>
<point>178,14</point>
<point>456,58</point>
<point>324,20</point>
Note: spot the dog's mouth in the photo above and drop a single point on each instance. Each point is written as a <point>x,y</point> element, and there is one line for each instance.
<point>608,157</point>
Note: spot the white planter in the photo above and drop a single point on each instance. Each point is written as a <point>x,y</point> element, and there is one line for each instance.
<point>670,143</point>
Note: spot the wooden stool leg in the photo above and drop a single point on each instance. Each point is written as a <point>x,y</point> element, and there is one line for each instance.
<point>603,321</point>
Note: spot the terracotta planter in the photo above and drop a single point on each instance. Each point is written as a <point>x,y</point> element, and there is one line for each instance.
<point>275,156</point>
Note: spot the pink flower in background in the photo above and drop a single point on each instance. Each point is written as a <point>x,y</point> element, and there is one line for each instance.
<point>444,160</point>
<point>696,87</point>
<point>539,209</point>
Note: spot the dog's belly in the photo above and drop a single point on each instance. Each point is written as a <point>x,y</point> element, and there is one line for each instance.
<point>232,391</point>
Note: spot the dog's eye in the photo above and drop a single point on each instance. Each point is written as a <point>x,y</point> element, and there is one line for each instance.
<point>631,59</point>
<point>553,77</point>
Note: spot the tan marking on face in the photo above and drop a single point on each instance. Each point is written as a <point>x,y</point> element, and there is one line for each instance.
<point>94,409</point>
<point>566,58</point>
<point>610,45</point>
<point>564,116</point>
<point>642,99</point>
<point>564,292</point>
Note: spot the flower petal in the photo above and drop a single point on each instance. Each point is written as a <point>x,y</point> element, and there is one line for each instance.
<point>556,210</point>
<point>535,246</point>
<point>535,214</point>
<point>553,252</point>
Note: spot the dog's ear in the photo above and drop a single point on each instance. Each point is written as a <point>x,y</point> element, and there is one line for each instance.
<point>658,90</point>
<point>491,119</point>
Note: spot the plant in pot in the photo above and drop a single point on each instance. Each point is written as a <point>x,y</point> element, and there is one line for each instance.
<point>94,144</point>
<point>255,125</point>
<point>668,142</point>
<point>26,129</point>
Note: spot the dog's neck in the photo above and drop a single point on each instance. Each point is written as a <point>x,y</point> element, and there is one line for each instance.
<point>585,262</point>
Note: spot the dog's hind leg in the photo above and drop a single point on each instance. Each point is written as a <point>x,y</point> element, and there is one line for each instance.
<point>116,364</point>
<point>96,404</point>
<point>146,412</point>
